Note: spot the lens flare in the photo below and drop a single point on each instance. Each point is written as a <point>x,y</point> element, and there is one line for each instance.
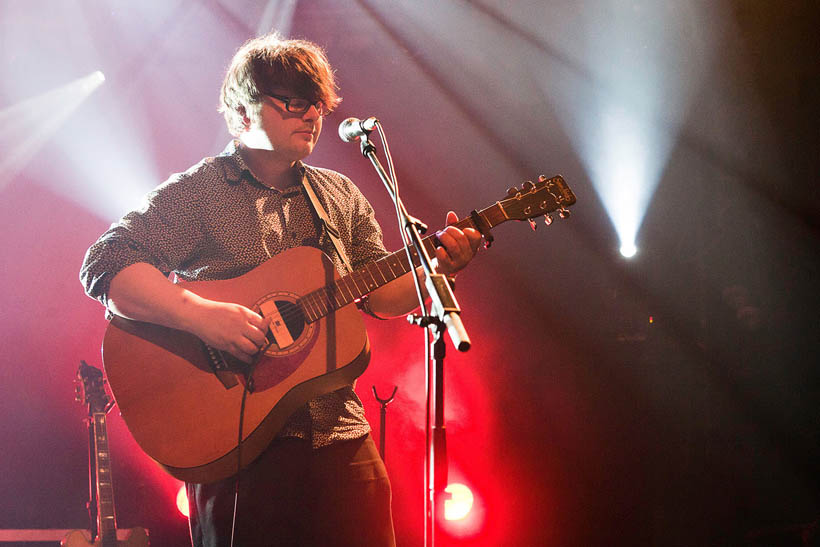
<point>459,505</point>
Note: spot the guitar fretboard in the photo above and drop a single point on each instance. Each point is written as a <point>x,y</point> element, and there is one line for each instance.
<point>105,490</point>
<point>378,273</point>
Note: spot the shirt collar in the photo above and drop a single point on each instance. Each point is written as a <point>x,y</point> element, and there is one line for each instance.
<point>240,171</point>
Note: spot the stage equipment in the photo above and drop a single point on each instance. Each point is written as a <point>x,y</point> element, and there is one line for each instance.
<point>383,417</point>
<point>445,311</point>
<point>101,512</point>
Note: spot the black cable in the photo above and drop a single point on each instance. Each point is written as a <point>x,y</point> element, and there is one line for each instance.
<point>238,458</point>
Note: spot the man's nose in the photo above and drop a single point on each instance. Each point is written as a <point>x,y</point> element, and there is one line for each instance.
<point>312,113</point>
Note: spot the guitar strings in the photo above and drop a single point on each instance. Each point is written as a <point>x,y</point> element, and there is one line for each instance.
<point>325,297</point>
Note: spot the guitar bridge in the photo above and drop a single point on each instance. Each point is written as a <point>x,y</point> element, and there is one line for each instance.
<point>220,368</point>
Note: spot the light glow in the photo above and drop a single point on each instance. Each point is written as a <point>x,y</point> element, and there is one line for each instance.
<point>628,250</point>
<point>27,126</point>
<point>182,501</point>
<point>460,503</point>
<point>623,111</point>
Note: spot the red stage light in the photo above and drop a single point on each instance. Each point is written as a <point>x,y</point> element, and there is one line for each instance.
<point>182,501</point>
<point>460,504</point>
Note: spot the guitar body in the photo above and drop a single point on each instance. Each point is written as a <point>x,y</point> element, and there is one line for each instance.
<point>181,400</point>
<point>186,417</point>
<point>134,537</point>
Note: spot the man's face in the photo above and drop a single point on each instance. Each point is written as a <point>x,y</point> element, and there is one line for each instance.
<point>290,135</point>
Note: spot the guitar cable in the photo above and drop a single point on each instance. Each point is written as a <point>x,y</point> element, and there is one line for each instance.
<point>238,458</point>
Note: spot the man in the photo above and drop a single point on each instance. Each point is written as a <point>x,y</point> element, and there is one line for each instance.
<point>321,481</point>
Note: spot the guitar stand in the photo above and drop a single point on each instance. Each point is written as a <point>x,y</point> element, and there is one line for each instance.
<point>383,417</point>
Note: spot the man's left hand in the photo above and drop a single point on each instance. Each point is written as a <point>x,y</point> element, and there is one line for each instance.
<point>459,246</point>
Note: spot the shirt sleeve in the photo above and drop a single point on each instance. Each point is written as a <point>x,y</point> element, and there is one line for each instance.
<point>163,232</point>
<point>367,240</point>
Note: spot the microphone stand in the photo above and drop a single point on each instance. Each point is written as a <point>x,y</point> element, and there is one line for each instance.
<point>444,315</point>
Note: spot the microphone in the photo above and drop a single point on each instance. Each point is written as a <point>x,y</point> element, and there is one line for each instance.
<point>352,129</point>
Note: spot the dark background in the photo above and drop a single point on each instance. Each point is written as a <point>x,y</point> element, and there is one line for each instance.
<point>574,419</point>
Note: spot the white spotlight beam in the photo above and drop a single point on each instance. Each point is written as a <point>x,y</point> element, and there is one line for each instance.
<point>278,16</point>
<point>28,125</point>
<point>645,63</point>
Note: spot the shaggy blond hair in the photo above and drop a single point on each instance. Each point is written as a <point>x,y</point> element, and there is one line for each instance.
<point>268,61</point>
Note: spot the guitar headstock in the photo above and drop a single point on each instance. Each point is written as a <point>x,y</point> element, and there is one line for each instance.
<point>91,388</point>
<point>538,199</point>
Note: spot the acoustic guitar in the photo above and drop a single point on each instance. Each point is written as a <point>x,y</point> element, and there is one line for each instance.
<point>181,399</point>
<point>92,391</point>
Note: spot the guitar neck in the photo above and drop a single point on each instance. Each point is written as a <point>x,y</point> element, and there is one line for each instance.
<point>106,519</point>
<point>378,273</point>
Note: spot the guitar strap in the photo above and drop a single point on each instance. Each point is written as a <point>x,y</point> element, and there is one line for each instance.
<point>328,225</point>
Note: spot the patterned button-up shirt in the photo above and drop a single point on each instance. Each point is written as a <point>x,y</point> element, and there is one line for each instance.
<point>217,221</point>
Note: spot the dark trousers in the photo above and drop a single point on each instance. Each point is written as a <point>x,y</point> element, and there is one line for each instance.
<point>294,495</point>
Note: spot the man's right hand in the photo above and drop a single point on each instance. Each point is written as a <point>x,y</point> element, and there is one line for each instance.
<point>230,327</point>
<point>143,293</point>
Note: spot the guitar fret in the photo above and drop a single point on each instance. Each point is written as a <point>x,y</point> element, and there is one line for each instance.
<point>332,295</point>
<point>314,302</point>
<point>395,265</point>
<point>305,311</point>
<point>319,303</point>
<point>326,298</point>
<point>379,264</point>
<point>308,301</point>
<point>353,276</point>
<point>345,299</point>
<point>354,290</point>
<point>374,283</point>
<point>384,279</point>
<point>104,484</point>
<point>321,297</point>
<point>344,283</point>
<point>362,275</point>
<point>386,260</point>
<point>334,290</point>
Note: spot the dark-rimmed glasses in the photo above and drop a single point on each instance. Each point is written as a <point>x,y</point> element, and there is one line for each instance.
<point>298,105</point>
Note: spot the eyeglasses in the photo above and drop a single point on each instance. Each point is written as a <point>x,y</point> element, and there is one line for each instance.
<point>298,105</point>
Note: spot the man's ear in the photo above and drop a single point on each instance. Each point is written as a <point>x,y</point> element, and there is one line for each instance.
<point>246,120</point>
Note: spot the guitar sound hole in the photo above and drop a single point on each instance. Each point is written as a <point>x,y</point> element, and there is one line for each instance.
<point>292,315</point>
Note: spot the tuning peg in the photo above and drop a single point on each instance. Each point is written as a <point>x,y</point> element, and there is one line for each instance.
<point>563,212</point>
<point>532,224</point>
<point>527,186</point>
<point>548,219</point>
<point>512,192</point>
